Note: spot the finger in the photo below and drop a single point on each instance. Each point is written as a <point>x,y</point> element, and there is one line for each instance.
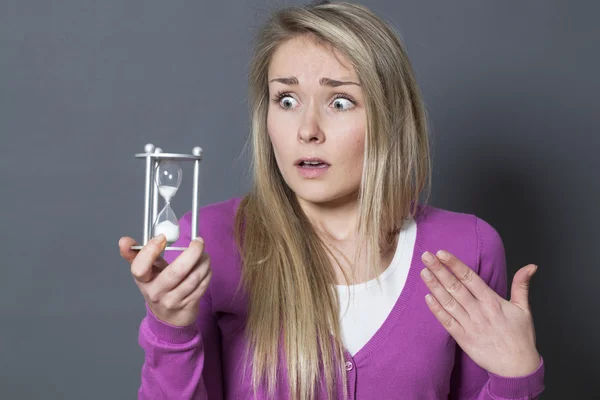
<point>175,272</point>
<point>448,322</point>
<point>129,254</point>
<point>519,293</point>
<point>125,244</point>
<point>477,286</point>
<point>200,290</point>
<point>445,299</point>
<point>198,277</point>
<point>142,265</point>
<point>451,288</point>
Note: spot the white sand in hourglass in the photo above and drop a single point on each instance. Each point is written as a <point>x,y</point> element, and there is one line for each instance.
<point>169,229</point>
<point>167,192</point>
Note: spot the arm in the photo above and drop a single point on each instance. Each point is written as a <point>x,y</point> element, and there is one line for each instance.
<point>181,362</point>
<point>469,381</point>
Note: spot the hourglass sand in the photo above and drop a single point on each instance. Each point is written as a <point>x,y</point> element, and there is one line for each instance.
<point>163,177</point>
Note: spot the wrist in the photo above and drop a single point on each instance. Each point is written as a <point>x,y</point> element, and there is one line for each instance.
<point>524,386</point>
<point>168,332</point>
<point>524,367</point>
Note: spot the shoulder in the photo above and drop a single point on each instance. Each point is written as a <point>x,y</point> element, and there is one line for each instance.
<point>215,212</point>
<point>471,238</point>
<point>216,224</point>
<point>455,220</point>
<point>215,219</point>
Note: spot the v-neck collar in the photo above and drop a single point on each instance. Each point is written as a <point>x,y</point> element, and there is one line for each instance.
<point>405,295</point>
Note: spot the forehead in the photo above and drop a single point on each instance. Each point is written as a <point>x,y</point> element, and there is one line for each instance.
<point>306,58</point>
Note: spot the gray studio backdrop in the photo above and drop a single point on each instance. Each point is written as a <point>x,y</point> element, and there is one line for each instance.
<point>512,92</point>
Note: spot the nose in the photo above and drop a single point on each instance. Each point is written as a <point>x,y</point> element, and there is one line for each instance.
<point>310,127</point>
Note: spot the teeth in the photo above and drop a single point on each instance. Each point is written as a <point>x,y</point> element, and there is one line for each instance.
<point>313,162</point>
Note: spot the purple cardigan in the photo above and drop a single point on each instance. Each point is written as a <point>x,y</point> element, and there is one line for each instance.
<point>410,357</point>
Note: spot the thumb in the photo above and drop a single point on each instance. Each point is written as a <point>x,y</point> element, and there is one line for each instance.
<point>519,293</point>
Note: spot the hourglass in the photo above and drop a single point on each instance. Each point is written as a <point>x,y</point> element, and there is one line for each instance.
<point>163,177</point>
<point>167,179</point>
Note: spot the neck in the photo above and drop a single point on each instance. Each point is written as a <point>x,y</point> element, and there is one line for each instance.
<point>336,220</point>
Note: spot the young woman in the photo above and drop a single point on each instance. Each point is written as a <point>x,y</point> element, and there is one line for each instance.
<point>313,286</point>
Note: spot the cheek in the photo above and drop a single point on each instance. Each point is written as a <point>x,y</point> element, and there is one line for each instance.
<point>357,160</point>
<point>359,146</point>
<point>275,133</point>
<point>353,147</point>
<point>280,130</point>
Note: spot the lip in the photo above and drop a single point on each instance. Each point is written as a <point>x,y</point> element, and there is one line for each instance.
<point>312,159</point>
<point>312,172</point>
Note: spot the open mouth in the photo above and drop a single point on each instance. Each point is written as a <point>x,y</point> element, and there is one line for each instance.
<point>312,167</point>
<point>312,164</point>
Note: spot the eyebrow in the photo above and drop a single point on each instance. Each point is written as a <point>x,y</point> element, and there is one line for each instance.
<point>323,81</point>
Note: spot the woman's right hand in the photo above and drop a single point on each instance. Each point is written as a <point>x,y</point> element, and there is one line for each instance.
<point>172,291</point>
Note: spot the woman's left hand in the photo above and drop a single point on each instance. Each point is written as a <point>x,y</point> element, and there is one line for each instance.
<point>498,335</point>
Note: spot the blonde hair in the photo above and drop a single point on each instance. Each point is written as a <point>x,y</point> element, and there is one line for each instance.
<point>286,271</point>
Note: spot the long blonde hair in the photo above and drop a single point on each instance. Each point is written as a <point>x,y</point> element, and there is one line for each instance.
<point>286,271</point>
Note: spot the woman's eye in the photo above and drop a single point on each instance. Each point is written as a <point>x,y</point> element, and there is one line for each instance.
<point>342,104</point>
<point>288,102</point>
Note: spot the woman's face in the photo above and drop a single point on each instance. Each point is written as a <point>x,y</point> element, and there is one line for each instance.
<point>316,121</point>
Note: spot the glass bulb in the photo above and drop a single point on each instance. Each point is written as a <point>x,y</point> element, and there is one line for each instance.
<point>167,224</point>
<point>168,178</point>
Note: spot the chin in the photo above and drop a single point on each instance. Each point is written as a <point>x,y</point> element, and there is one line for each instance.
<point>316,198</point>
<point>324,194</point>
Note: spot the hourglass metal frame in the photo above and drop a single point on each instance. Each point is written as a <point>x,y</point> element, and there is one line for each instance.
<point>153,156</point>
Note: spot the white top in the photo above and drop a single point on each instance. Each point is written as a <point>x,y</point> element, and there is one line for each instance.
<point>372,303</point>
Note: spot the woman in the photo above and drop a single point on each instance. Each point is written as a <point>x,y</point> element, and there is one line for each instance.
<point>316,280</point>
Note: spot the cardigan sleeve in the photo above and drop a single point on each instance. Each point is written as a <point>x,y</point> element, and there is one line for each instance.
<point>469,381</point>
<point>181,362</point>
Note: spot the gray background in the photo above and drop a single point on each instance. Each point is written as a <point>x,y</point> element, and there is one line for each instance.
<point>511,88</point>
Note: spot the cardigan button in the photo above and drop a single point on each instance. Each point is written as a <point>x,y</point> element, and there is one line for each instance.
<point>349,366</point>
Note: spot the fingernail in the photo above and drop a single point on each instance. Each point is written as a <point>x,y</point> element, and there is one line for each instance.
<point>532,270</point>
<point>429,298</point>
<point>158,239</point>
<point>428,257</point>
<point>442,255</point>
<point>199,239</point>
<point>426,274</point>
